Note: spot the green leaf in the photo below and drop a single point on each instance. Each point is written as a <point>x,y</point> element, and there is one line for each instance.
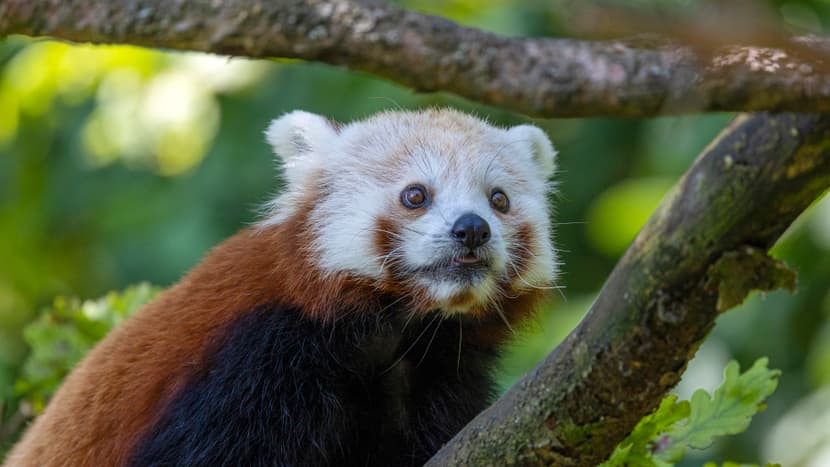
<point>637,448</point>
<point>661,439</point>
<point>736,464</point>
<point>64,333</point>
<point>727,412</point>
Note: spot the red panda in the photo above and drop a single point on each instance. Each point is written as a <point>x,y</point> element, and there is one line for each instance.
<point>356,324</point>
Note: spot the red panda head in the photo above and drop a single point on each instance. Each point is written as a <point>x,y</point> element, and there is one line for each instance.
<point>436,206</point>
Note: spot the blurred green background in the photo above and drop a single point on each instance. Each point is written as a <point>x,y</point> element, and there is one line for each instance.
<point>121,165</point>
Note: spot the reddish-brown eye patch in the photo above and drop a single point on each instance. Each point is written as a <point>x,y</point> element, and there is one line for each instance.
<point>414,197</point>
<point>500,201</point>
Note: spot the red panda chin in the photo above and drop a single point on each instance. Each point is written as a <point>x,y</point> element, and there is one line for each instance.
<point>460,292</point>
<point>464,274</point>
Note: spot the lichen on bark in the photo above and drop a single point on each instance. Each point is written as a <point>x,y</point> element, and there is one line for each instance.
<point>738,272</point>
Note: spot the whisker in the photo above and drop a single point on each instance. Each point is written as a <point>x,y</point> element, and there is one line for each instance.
<point>412,345</point>
<point>397,235</point>
<point>500,312</point>
<point>536,286</point>
<point>458,359</point>
<point>408,319</point>
<point>393,304</point>
<point>429,344</point>
<point>388,99</point>
<point>490,165</point>
<point>386,257</point>
<point>416,231</point>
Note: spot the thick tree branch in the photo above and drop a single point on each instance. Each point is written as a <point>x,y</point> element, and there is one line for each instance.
<point>543,77</point>
<point>661,300</point>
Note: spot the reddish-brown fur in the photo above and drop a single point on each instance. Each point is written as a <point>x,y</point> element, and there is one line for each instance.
<point>121,388</point>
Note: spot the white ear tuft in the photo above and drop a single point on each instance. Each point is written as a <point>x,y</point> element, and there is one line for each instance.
<point>301,140</point>
<point>538,144</point>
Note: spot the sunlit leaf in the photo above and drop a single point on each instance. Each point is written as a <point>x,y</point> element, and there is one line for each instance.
<point>638,447</point>
<point>728,411</point>
<point>661,439</point>
<point>65,332</point>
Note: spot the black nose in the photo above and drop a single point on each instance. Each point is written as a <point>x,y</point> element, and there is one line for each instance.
<point>471,230</point>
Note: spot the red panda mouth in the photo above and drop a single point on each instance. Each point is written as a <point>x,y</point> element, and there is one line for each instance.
<point>468,268</point>
<point>466,259</point>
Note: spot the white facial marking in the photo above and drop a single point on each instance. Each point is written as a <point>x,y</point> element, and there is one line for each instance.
<point>357,174</point>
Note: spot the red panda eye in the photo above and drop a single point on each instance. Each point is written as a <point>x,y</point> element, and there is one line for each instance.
<point>414,197</point>
<point>499,201</point>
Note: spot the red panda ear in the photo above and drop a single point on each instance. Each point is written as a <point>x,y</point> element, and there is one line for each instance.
<point>302,140</point>
<point>537,143</point>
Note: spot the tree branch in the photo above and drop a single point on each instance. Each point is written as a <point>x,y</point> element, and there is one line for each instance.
<point>535,76</point>
<point>661,300</point>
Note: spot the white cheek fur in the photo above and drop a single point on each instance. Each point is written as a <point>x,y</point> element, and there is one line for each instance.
<point>345,229</point>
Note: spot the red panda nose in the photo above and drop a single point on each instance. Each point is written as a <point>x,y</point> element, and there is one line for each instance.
<point>471,230</point>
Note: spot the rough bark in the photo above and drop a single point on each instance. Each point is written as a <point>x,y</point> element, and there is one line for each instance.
<point>708,236</point>
<point>535,76</point>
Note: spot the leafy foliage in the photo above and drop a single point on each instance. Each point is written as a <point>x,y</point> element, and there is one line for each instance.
<point>638,448</point>
<point>58,339</point>
<point>661,439</point>
<point>64,333</point>
<point>735,464</point>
